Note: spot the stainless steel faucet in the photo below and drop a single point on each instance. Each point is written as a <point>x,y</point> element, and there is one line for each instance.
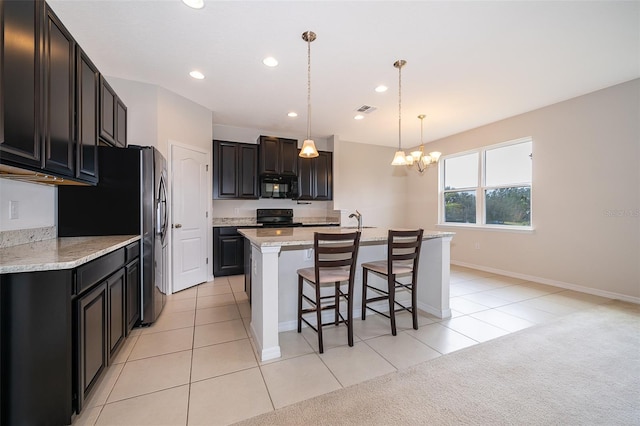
<point>358,216</point>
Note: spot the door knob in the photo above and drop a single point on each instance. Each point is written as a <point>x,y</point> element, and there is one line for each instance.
<point>177,225</point>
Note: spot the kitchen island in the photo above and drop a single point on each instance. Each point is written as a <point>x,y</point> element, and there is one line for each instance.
<point>277,253</point>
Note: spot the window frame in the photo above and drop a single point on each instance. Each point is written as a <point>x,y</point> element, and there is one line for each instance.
<point>481,188</point>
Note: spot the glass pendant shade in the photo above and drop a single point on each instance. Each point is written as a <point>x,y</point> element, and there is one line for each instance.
<point>308,149</point>
<point>399,159</point>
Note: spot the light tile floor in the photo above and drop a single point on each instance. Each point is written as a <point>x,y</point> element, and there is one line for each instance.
<point>197,364</point>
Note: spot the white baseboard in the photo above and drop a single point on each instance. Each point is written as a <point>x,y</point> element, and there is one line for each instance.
<point>555,283</point>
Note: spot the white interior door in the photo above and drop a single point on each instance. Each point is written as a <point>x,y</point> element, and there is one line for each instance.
<point>189,198</point>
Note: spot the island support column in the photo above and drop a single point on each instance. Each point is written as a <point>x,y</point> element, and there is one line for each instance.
<point>264,300</point>
<point>433,276</point>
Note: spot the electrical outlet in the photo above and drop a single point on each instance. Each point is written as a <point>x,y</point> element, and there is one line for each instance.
<point>308,254</point>
<point>236,211</point>
<point>14,212</point>
<point>477,246</point>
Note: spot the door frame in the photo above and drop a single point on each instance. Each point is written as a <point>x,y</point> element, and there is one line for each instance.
<point>209,236</point>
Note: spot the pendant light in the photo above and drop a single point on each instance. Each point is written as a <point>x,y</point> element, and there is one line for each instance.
<point>399,159</point>
<point>308,146</point>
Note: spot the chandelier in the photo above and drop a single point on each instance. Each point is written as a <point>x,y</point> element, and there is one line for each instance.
<point>308,149</point>
<point>418,157</point>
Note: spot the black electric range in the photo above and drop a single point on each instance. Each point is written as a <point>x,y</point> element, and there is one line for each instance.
<point>276,218</point>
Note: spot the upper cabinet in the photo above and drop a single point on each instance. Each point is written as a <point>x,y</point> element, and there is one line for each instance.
<point>315,177</point>
<point>87,92</point>
<point>21,81</point>
<point>234,170</point>
<point>50,105</point>
<point>113,116</point>
<point>278,156</point>
<point>59,97</point>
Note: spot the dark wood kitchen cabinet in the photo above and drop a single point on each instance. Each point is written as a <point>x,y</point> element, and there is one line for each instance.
<point>117,321</point>
<point>228,251</point>
<point>49,98</point>
<point>88,94</point>
<point>21,81</point>
<point>278,156</point>
<point>92,340</point>
<point>235,170</point>
<point>36,373</point>
<point>113,116</point>
<point>132,316</point>
<point>59,97</point>
<point>315,177</point>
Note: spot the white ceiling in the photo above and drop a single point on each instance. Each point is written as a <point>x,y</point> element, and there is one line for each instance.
<point>468,62</point>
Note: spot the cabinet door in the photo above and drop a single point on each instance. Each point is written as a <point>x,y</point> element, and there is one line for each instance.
<point>107,112</point>
<point>21,82</point>
<point>225,173</point>
<point>269,155</point>
<point>133,294</point>
<point>116,291</point>
<point>59,97</point>
<point>288,157</point>
<point>88,92</point>
<point>121,123</point>
<point>247,171</point>
<point>324,176</point>
<point>228,252</point>
<point>92,339</point>
<point>306,178</point>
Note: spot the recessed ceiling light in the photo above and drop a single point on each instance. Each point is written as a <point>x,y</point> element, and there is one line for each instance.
<point>381,89</point>
<point>358,117</point>
<point>197,75</point>
<point>270,61</point>
<point>195,4</point>
<point>292,114</point>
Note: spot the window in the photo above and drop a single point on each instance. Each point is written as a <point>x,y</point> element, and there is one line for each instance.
<point>490,186</point>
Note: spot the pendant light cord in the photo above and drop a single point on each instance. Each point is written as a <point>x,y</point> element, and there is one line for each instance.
<point>309,88</point>
<point>400,108</point>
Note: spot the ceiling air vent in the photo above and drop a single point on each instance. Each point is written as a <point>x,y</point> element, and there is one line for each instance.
<point>366,109</point>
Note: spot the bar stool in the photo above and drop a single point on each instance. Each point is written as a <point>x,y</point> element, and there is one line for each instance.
<point>403,255</point>
<point>335,262</point>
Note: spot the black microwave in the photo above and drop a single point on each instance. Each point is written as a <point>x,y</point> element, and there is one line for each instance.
<point>279,187</point>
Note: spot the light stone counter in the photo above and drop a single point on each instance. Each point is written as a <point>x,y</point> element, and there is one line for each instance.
<point>295,237</point>
<point>59,253</point>
<point>277,253</point>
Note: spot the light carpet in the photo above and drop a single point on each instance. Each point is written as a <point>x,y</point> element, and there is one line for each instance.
<point>582,369</point>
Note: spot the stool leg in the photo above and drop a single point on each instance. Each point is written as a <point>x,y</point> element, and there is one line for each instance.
<point>350,313</point>
<point>336,301</point>
<point>391,281</point>
<point>299,303</point>
<point>414,303</point>
<point>319,318</point>
<point>364,293</point>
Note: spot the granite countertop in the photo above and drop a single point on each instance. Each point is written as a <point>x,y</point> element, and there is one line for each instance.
<point>59,253</point>
<point>251,221</point>
<point>283,237</point>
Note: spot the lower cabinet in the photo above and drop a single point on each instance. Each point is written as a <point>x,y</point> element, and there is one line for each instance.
<point>59,330</point>
<point>132,271</point>
<point>92,340</point>
<point>228,251</point>
<point>116,291</point>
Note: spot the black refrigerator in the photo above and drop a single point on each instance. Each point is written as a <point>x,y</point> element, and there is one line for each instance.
<point>129,199</point>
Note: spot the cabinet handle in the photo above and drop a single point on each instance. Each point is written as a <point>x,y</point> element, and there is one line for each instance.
<point>177,225</point>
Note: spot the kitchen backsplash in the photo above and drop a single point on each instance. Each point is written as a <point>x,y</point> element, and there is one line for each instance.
<point>24,236</point>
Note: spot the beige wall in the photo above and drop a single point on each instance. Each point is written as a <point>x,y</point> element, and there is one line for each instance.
<point>586,157</point>
<point>364,180</point>
<point>36,205</point>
